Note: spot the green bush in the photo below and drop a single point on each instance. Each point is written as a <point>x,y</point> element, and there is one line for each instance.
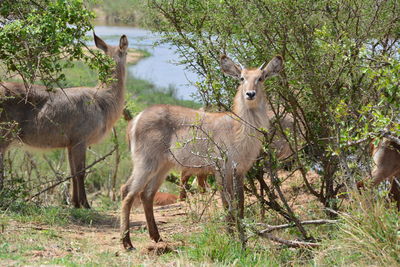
<point>340,81</point>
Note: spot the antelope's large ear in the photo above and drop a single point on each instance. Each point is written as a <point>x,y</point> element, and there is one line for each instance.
<point>274,67</point>
<point>229,67</point>
<point>100,43</point>
<point>123,43</point>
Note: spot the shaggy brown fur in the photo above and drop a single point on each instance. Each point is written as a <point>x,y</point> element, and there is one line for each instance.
<point>386,157</point>
<point>227,144</point>
<point>279,143</point>
<point>73,118</point>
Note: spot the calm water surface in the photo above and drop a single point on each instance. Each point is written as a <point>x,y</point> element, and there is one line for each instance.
<point>160,68</point>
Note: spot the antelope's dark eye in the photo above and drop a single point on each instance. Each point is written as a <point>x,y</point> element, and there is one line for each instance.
<point>241,78</point>
<point>260,79</point>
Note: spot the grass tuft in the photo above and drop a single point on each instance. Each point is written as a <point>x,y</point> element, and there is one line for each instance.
<point>52,215</point>
<point>367,234</point>
<point>214,246</point>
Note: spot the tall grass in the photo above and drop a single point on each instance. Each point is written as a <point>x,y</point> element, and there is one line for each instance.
<point>368,235</point>
<point>213,245</point>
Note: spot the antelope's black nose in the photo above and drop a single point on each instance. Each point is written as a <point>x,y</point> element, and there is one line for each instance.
<point>250,94</point>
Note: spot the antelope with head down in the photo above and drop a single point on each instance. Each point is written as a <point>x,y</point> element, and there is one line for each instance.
<point>71,118</point>
<point>227,144</point>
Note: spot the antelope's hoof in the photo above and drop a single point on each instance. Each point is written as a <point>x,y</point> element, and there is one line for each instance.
<point>85,205</point>
<point>129,249</point>
<point>156,239</point>
<point>126,242</point>
<point>360,186</point>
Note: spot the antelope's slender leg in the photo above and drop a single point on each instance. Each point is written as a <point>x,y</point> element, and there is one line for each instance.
<point>3,147</point>
<point>147,200</point>
<point>74,195</point>
<point>202,181</point>
<point>78,157</point>
<point>140,177</point>
<point>395,191</point>
<point>184,185</point>
<point>1,170</point>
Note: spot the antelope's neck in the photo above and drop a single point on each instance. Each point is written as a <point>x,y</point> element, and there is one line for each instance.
<point>248,138</point>
<point>111,97</point>
<point>115,90</point>
<point>117,87</point>
<point>251,119</point>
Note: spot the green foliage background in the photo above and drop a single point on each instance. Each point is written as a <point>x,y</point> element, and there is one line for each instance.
<point>340,84</point>
<point>36,35</point>
<point>341,76</point>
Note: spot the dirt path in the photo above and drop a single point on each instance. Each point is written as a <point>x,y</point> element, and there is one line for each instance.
<point>97,242</point>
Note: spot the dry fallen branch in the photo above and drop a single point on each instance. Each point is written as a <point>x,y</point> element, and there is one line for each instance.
<point>290,243</point>
<point>271,228</point>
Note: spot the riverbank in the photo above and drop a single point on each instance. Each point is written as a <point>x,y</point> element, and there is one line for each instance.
<point>127,12</point>
<point>133,56</point>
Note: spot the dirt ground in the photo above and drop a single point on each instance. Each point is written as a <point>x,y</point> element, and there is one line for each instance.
<point>98,242</point>
<point>90,243</point>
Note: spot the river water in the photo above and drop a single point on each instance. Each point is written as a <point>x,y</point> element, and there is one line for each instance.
<point>160,68</point>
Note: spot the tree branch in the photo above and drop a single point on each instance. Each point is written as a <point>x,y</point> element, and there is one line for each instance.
<point>290,243</point>
<point>271,228</point>
<point>69,177</point>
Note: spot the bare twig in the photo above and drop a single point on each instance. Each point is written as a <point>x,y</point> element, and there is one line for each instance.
<point>391,136</point>
<point>206,205</point>
<point>290,243</point>
<point>271,228</point>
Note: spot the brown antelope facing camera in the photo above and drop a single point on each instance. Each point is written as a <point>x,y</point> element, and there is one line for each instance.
<point>72,118</point>
<point>278,143</point>
<point>226,144</point>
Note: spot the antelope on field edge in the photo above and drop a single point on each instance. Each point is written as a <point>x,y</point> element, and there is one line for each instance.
<point>71,118</point>
<point>227,143</point>
<point>386,158</point>
<point>278,143</point>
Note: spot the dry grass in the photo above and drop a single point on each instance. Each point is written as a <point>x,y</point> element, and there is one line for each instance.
<point>94,242</point>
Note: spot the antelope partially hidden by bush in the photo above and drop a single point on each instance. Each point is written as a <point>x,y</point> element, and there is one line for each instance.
<point>73,118</point>
<point>278,143</point>
<point>227,144</point>
<point>386,157</point>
